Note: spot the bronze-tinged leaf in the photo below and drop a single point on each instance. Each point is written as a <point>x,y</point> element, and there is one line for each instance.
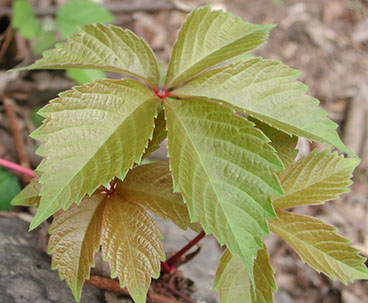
<point>131,243</point>
<point>315,179</point>
<point>30,195</point>
<point>151,186</point>
<point>318,245</point>
<point>75,236</point>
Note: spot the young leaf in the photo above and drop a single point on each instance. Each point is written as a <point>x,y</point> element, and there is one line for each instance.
<point>92,134</point>
<point>267,91</point>
<point>30,195</point>
<point>9,188</point>
<point>210,37</point>
<point>75,13</point>
<point>75,236</point>
<point>102,47</point>
<point>24,19</point>
<point>223,167</point>
<point>159,133</point>
<point>315,178</point>
<point>151,186</point>
<point>131,243</point>
<point>233,283</point>
<point>318,245</point>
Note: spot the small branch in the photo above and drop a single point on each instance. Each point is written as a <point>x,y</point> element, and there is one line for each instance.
<point>17,168</point>
<point>18,140</point>
<point>114,286</point>
<point>176,258</point>
<point>114,7</point>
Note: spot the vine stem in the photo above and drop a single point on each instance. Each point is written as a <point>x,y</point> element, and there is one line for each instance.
<point>176,258</point>
<point>17,168</point>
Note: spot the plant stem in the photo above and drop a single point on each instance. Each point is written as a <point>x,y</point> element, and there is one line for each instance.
<point>175,258</point>
<point>17,168</point>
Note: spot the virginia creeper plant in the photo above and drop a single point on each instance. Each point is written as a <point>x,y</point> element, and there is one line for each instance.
<point>232,128</point>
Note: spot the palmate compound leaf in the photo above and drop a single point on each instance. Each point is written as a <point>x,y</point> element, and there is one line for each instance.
<point>102,47</point>
<point>315,178</point>
<point>151,185</point>
<point>223,167</point>
<point>267,91</point>
<point>233,283</point>
<point>75,236</point>
<point>91,134</point>
<point>318,245</point>
<point>210,37</point>
<point>131,243</point>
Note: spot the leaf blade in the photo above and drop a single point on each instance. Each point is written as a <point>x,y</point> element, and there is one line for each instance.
<point>213,154</point>
<point>318,245</point>
<point>75,236</point>
<point>208,38</point>
<point>30,195</point>
<point>150,185</point>
<point>85,136</point>
<point>269,92</point>
<point>102,47</point>
<point>131,242</point>
<point>315,178</point>
<point>233,283</point>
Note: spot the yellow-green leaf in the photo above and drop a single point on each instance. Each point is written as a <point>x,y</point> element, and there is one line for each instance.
<point>233,283</point>
<point>30,195</point>
<point>90,135</point>
<point>223,167</point>
<point>210,37</point>
<point>269,92</point>
<point>315,178</point>
<point>318,245</point>
<point>75,236</point>
<point>151,186</point>
<point>107,48</point>
<point>131,243</point>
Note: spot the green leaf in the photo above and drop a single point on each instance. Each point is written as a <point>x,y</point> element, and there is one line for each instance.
<point>150,185</point>
<point>9,188</point>
<point>82,76</point>
<point>102,47</point>
<point>45,40</point>
<point>284,144</point>
<point>159,134</point>
<point>318,245</point>
<point>75,236</point>
<point>75,13</point>
<point>315,178</point>
<point>210,37</point>
<point>233,283</point>
<point>91,134</point>
<point>223,167</point>
<point>30,195</point>
<point>24,19</point>
<point>131,243</point>
<point>267,91</point>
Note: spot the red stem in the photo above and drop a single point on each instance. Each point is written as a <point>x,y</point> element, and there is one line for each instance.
<point>17,168</point>
<point>175,258</point>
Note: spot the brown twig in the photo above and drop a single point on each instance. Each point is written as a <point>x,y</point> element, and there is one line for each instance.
<point>18,140</point>
<point>114,286</point>
<point>114,7</point>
